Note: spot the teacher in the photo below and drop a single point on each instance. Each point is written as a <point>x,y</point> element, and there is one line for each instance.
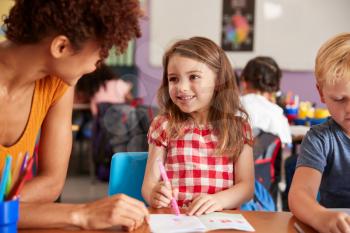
<point>50,45</point>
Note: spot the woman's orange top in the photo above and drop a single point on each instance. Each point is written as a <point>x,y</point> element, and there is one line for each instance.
<point>47,91</point>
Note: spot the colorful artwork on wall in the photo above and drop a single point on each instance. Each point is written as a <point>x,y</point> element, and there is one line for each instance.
<point>238,25</point>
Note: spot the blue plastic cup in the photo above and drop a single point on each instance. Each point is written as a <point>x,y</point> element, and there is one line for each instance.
<point>9,216</point>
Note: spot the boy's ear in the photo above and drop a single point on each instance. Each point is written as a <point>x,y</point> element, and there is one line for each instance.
<point>61,47</point>
<point>320,92</point>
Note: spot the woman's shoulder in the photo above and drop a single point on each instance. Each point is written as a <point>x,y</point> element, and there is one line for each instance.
<point>51,88</point>
<point>51,83</point>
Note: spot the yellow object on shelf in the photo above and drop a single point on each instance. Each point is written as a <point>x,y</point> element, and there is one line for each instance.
<point>302,113</point>
<point>305,110</point>
<point>310,112</point>
<point>321,113</point>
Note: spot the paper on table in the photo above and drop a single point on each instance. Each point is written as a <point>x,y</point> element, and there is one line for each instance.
<point>216,220</point>
<point>160,223</point>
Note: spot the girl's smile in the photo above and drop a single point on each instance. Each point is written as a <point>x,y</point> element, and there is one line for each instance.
<point>185,98</point>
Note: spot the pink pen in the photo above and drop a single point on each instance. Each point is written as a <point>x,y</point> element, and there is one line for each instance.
<point>165,179</point>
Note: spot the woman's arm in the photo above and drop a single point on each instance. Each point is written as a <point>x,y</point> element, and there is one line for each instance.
<point>241,192</point>
<point>117,210</point>
<point>54,152</point>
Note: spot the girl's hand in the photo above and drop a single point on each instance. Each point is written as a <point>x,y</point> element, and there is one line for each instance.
<point>333,221</point>
<point>162,194</point>
<point>204,204</point>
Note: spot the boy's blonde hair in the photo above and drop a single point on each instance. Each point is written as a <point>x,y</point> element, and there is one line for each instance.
<point>333,60</point>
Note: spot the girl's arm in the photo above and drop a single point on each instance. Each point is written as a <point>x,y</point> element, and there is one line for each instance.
<point>302,200</point>
<point>155,192</point>
<point>243,189</point>
<point>231,198</point>
<point>54,152</point>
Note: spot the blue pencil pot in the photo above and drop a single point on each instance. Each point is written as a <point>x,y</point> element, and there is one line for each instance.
<point>9,216</point>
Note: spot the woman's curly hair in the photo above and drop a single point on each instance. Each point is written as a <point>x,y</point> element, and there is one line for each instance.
<point>110,22</point>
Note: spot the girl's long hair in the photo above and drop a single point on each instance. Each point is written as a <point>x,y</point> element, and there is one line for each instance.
<point>226,113</point>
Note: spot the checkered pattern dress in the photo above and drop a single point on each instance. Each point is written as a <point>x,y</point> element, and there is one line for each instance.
<point>191,164</point>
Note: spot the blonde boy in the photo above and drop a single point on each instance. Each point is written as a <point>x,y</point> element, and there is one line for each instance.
<point>324,162</point>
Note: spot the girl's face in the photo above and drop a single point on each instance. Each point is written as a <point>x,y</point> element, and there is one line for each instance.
<point>83,61</point>
<point>191,86</point>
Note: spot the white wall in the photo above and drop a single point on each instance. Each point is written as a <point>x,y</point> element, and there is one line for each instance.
<point>292,38</point>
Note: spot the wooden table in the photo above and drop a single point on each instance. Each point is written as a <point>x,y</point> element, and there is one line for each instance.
<point>263,222</point>
<point>81,107</point>
<point>298,132</point>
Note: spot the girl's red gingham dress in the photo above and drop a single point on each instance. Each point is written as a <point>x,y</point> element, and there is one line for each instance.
<point>191,164</point>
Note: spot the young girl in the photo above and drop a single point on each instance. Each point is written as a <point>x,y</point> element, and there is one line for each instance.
<point>202,135</point>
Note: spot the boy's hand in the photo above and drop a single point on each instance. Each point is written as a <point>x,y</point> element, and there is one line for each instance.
<point>204,204</point>
<point>333,221</point>
<point>162,194</point>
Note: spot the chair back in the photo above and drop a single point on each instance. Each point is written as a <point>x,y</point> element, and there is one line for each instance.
<point>126,173</point>
<point>268,160</point>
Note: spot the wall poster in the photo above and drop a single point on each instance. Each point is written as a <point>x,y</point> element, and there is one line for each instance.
<point>238,25</point>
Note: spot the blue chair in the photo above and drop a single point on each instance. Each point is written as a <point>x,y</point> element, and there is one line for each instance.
<point>127,172</point>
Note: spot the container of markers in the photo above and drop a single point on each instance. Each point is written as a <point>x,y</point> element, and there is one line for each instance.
<point>291,112</point>
<point>9,216</point>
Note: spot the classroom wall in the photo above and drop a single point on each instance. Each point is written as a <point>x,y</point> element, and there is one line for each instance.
<point>5,6</point>
<point>301,83</point>
<point>291,31</point>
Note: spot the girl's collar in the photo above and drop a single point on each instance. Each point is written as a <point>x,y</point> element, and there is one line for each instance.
<point>193,124</point>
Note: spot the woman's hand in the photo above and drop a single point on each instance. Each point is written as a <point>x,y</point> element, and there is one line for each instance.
<point>204,204</point>
<point>162,194</point>
<point>118,210</point>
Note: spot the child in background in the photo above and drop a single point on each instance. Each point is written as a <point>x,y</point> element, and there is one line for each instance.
<point>103,86</point>
<point>202,135</point>
<point>260,80</point>
<point>323,165</point>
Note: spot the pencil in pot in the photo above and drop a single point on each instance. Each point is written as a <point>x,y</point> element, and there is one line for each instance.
<point>4,177</point>
<point>16,189</point>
